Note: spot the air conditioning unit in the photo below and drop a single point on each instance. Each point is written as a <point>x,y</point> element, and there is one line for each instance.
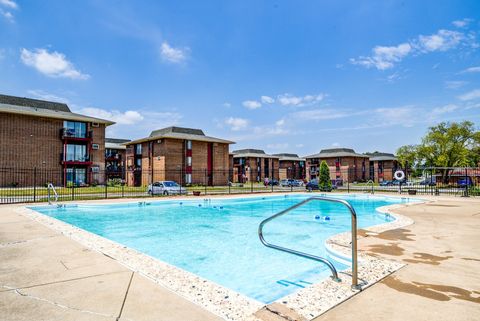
<point>95,146</point>
<point>159,141</point>
<point>95,125</point>
<point>95,169</point>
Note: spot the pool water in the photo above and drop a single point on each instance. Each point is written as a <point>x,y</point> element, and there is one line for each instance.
<point>217,239</point>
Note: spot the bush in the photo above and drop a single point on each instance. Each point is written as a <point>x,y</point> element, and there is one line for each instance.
<point>324,182</point>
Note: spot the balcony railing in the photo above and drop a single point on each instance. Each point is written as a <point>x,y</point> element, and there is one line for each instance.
<point>72,133</point>
<point>74,158</point>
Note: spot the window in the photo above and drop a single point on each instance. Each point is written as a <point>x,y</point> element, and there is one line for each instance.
<point>189,161</point>
<point>138,149</point>
<point>188,178</point>
<point>189,144</point>
<point>77,176</point>
<point>139,162</point>
<point>75,129</point>
<point>76,153</point>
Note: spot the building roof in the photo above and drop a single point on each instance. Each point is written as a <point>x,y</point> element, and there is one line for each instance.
<point>116,143</point>
<point>36,103</point>
<point>46,109</point>
<point>378,156</point>
<point>250,152</point>
<point>289,157</point>
<point>336,152</point>
<point>180,133</point>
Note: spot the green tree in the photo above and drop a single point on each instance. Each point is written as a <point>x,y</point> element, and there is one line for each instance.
<point>445,145</point>
<point>407,155</point>
<point>324,182</point>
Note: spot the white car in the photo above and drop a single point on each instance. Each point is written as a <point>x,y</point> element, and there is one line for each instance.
<point>166,188</point>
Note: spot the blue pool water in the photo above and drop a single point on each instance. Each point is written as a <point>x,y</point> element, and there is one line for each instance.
<point>218,239</point>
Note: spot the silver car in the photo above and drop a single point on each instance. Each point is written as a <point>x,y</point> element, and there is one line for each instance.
<point>166,188</point>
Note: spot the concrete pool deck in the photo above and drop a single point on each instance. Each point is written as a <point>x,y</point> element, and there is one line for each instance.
<point>45,275</point>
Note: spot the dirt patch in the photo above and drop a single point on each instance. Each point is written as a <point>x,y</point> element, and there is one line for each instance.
<point>426,258</point>
<point>436,292</point>
<point>389,249</point>
<point>399,234</point>
<point>470,259</point>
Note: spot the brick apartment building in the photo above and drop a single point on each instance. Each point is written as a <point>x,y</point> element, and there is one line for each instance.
<point>382,166</point>
<point>253,165</point>
<point>345,165</point>
<point>46,137</point>
<point>291,166</point>
<point>115,157</point>
<point>184,155</point>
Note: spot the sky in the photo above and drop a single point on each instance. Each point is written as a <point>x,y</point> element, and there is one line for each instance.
<point>283,76</point>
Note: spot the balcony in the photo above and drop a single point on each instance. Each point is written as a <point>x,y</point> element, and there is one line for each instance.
<point>72,134</point>
<point>74,159</point>
<point>113,157</point>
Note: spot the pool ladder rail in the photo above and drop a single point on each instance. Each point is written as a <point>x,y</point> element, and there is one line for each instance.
<point>51,187</point>
<point>332,268</point>
<point>372,189</point>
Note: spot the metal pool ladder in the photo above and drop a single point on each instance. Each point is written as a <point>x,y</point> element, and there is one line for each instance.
<point>372,190</point>
<point>50,186</point>
<point>332,268</point>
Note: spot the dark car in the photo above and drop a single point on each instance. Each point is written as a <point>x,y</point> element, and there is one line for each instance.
<point>386,183</point>
<point>273,182</point>
<point>313,185</point>
<point>428,182</point>
<point>397,182</point>
<point>464,182</point>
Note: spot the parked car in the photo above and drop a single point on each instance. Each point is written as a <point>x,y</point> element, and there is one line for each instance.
<point>291,183</point>
<point>397,182</point>
<point>273,182</point>
<point>428,182</point>
<point>165,188</point>
<point>313,185</point>
<point>386,183</point>
<point>298,182</point>
<point>466,181</point>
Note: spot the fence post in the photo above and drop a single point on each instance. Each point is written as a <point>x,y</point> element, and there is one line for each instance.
<point>34,184</point>
<point>106,187</point>
<point>348,186</point>
<point>73,183</point>
<point>466,182</point>
<point>206,181</point>
<point>123,191</point>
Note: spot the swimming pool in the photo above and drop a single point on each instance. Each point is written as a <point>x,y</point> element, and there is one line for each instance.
<point>217,239</point>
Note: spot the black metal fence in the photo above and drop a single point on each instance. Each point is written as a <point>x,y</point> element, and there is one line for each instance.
<point>30,185</point>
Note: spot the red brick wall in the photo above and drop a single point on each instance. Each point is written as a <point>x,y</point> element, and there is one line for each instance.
<point>28,142</point>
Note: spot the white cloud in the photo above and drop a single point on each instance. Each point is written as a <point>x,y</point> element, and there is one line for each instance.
<point>267,100</point>
<point>251,104</point>
<point>227,105</point>
<point>471,70</point>
<point>129,117</point>
<point>384,57</point>
<point>236,123</point>
<point>278,146</point>
<point>461,23</point>
<point>402,116</point>
<point>280,122</point>
<point>7,15</point>
<point>443,40</point>
<point>291,100</point>
<point>335,144</point>
<point>471,95</point>
<point>320,114</point>
<point>43,95</point>
<point>445,109</point>
<point>52,64</point>
<point>455,84</point>
<point>9,4</point>
<point>173,55</point>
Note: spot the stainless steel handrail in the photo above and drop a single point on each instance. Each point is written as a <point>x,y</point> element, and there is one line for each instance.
<point>50,186</point>
<point>373,189</point>
<point>335,277</point>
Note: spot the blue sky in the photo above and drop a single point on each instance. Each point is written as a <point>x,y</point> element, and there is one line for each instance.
<point>283,76</point>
